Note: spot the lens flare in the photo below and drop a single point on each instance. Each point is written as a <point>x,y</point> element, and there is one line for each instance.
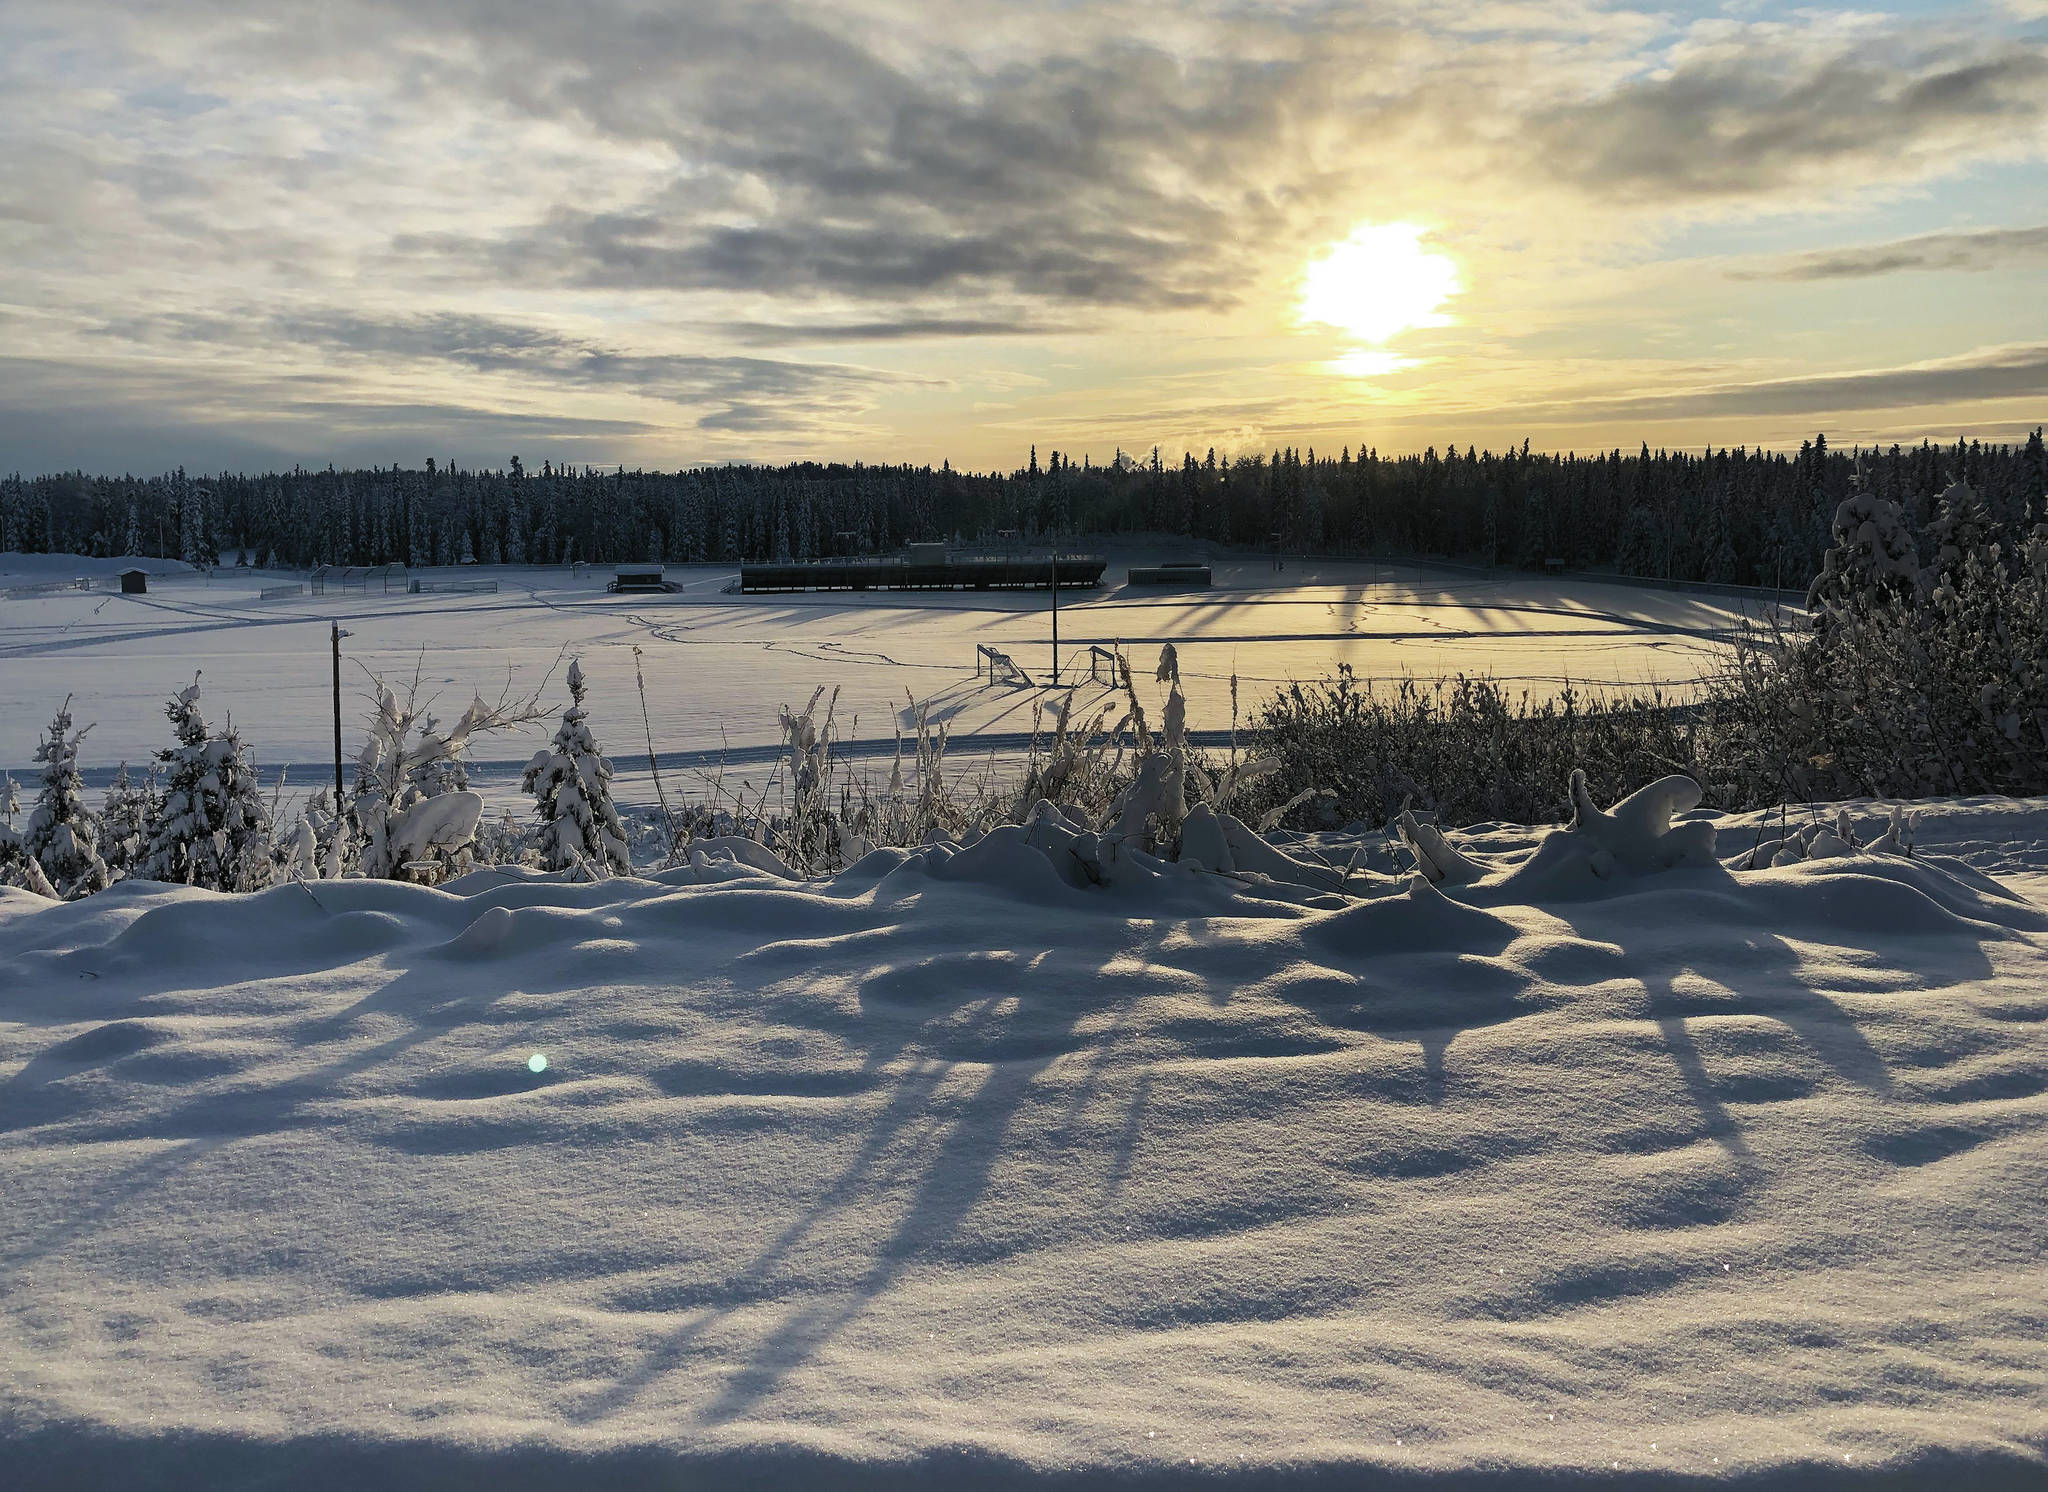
<point>537,1063</point>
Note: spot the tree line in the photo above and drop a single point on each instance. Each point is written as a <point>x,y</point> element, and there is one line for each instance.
<point>1735,516</point>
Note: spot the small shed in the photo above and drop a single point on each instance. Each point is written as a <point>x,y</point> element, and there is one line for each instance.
<point>134,582</point>
<point>631,579</point>
<point>1191,575</point>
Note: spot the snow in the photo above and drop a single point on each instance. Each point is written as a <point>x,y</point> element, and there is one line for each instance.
<point>719,667</point>
<point>952,1170</point>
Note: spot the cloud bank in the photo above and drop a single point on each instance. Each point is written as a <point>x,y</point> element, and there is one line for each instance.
<point>715,229</point>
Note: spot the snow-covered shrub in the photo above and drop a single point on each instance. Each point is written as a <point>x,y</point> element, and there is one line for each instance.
<point>302,852</point>
<point>412,817</point>
<point>212,828</point>
<point>571,784</point>
<point>504,841</point>
<point>1147,813</point>
<point>126,814</point>
<point>808,837</point>
<point>1905,693</point>
<point>1081,765</point>
<point>61,835</point>
<point>1463,749</point>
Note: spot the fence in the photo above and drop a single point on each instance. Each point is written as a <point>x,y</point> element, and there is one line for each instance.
<point>453,588</point>
<point>346,578</point>
<point>274,592</point>
<point>46,588</point>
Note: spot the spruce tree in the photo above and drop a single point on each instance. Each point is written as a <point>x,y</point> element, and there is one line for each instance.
<point>125,817</point>
<point>61,836</point>
<point>1874,556</point>
<point>213,828</point>
<point>571,783</point>
<point>18,868</point>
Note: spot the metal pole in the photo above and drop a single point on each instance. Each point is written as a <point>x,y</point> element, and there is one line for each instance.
<point>336,640</point>
<point>1055,607</point>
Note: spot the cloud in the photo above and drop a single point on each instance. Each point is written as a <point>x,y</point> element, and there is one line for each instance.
<point>1986,374</point>
<point>901,329</point>
<point>147,417</point>
<point>1979,249</point>
<point>741,392</point>
<point>1754,116</point>
<point>625,212</point>
<point>812,164</point>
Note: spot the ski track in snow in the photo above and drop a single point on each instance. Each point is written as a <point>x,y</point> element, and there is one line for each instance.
<point>945,1172</point>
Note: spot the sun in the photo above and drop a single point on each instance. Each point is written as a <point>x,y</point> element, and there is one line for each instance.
<point>1379,282</point>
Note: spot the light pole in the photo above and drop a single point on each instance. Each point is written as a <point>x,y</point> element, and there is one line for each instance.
<point>1055,606</point>
<point>335,639</point>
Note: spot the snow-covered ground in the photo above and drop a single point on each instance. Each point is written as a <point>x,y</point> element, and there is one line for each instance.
<point>717,666</point>
<point>951,1172</point>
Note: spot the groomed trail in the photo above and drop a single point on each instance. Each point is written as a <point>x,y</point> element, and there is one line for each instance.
<point>1004,1165</point>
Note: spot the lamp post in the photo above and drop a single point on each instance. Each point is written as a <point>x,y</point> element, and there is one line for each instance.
<point>335,639</point>
<point>1055,606</point>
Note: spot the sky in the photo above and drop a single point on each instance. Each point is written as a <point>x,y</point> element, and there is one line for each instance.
<point>247,235</point>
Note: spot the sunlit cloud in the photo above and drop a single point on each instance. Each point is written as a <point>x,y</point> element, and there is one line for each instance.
<point>1369,362</point>
<point>724,229</point>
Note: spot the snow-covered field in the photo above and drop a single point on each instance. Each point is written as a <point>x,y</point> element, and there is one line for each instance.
<point>951,1172</point>
<point>717,666</point>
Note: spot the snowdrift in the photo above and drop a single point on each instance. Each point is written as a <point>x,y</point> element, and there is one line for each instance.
<point>1039,1161</point>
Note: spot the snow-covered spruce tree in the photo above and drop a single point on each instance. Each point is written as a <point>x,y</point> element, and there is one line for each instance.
<point>61,836</point>
<point>1874,555</point>
<point>1962,530</point>
<point>130,808</point>
<point>213,827</point>
<point>571,784</point>
<point>18,868</point>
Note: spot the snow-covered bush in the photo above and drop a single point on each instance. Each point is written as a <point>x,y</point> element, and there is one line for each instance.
<point>126,814</point>
<point>1464,750</point>
<point>808,837</point>
<point>571,784</point>
<point>213,827</point>
<point>1147,813</point>
<point>412,816</point>
<point>61,835</point>
<point>505,841</point>
<point>1934,691</point>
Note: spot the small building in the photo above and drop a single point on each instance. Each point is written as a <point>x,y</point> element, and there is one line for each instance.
<point>134,582</point>
<point>638,580</point>
<point>1188,575</point>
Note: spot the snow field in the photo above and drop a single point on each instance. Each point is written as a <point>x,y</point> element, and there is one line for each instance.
<point>948,1162</point>
<point>718,666</point>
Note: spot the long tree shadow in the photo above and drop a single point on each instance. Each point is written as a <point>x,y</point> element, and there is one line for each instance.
<point>1422,971</point>
<point>948,1191</point>
<point>1013,1035</point>
<point>1736,968</point>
